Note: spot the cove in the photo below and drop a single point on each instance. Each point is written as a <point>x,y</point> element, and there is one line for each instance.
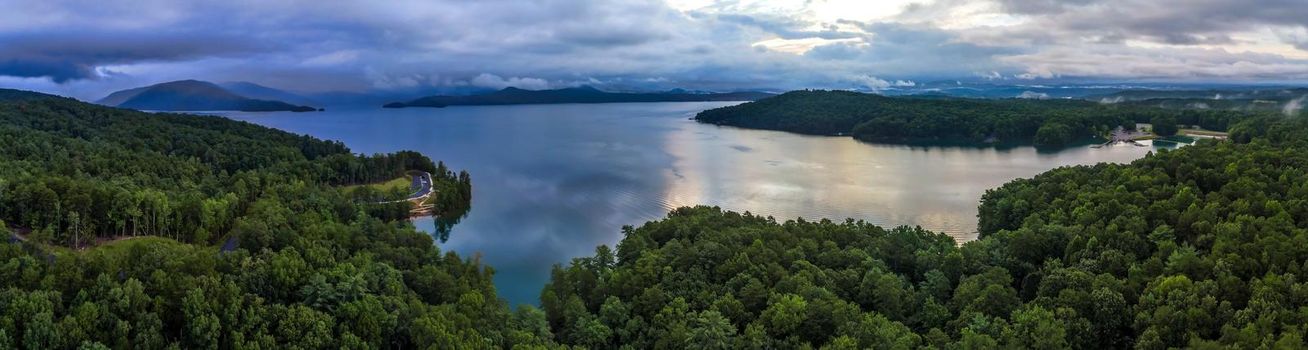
<point>551,182</point>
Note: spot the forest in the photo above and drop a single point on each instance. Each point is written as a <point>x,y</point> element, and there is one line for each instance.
<point>1200,247</point>
<point>168,231</point>
<point>950,121</point>
<point>218,234</point>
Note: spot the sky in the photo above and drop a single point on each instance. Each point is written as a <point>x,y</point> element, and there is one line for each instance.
<point>88,48</point>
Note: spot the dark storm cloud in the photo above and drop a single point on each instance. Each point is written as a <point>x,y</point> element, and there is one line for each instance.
<point>92,46</point>
<point>1171,22</point>
<point>915,51</point>
<point>786,28</point>
<point>65,56</point>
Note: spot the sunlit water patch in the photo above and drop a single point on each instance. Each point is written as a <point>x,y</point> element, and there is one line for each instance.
<point>551,182</point>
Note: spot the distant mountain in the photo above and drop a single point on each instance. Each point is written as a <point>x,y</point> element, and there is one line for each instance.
<point>119,97</point>
<point>193,95</point>
<point>260,92</point>
<point>1251,93</point>
<point>583,94</point>
<point>993,91</point>
<point>1267,99</point>
<point>1272,105</point>
<point>360,98</point>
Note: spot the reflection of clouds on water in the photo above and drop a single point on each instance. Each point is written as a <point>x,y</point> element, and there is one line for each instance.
<point>788,175</point>
<point>676,173</point>
<point>552,182</point>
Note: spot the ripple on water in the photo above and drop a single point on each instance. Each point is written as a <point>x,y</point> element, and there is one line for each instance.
<point>552,182</point>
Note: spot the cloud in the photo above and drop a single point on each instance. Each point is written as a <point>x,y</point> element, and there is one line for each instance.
<point>1159,64</point>
<point>68,55</point>
<point>496,82</point>
<point>1298,37</point>
<point>1294,106</point>
<point>333,58</point>
<point>874,83</point>
<point>804,45</point>
<point>1033,95</point>
<point>1236,25</point>
<point>1167,21</point>
<point>82,46</point>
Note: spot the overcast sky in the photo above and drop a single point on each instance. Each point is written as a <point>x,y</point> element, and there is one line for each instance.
<point>87,48</point>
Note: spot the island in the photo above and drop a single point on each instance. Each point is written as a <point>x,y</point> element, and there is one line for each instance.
<point>194,95</point>
<point>582,94</point>
<point>936,120</point>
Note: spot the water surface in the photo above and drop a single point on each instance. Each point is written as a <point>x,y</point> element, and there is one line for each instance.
<point>551,182</point>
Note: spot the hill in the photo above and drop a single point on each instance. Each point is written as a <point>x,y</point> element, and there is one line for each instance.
<point>193,95</point>
<point>583,94</point>
<point>215,233</point>
<point>1203,247</point>
<point>261,92</point>
<point>1265,105</point>
<point>11,95</point>
<point>1284,100</point>
<point>255,245</point>
<point>1245,93</point>
<point>945,120</point>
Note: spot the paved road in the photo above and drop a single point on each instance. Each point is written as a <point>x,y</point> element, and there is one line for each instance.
<point>421,186</point>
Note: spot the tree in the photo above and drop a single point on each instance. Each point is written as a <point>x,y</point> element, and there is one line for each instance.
<point>92,346</point>
<point>1036,328</point>
<point>41,332</point>
<point>5,342</point>
<point>202,326</point>
<point>1163,125</point>
<point>305,328</point>
<point>591,333</point>
<point>1053,135</point>
<point>785,314</point>
<point>709,330</point>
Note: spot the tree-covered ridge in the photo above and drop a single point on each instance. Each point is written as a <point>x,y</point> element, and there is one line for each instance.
<point>228,235</point>
<point>876,118</point>
<point>194,95</point>
<point>73,169</point>
<point>707,279</point>
<point>1201,247</point>
<point>1266,99</point>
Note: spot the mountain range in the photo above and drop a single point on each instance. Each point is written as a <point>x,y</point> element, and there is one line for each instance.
<point>582,94</point>
<point>260,92</point>
<point>195,95</point>
<point>1246,93</point>
<point>1286,100</point>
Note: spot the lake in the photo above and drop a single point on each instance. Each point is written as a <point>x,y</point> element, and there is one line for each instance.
<point>552,182</point>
